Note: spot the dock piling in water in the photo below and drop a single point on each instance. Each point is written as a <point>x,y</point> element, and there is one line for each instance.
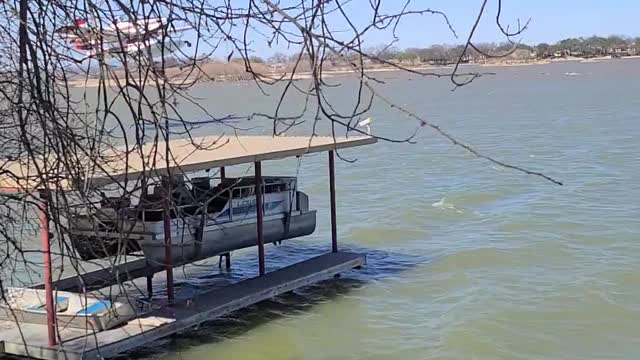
<point>332,194</point>
<point>259,222</point>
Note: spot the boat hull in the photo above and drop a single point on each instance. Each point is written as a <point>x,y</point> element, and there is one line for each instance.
<point>221,239</point>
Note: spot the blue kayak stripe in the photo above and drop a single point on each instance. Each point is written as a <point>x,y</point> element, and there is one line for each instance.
<point>42,307</point>
<point>93,308</point>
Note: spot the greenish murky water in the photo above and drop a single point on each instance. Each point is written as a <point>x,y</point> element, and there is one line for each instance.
<point>466,260</point>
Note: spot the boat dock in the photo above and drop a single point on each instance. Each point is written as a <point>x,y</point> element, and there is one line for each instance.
<point>184,313</point>
<point>48,339</point>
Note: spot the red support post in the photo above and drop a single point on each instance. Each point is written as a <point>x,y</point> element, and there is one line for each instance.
<point>258,180</point>
<point>46,252</point>
<point>332,194</point>
<point>168,259</point>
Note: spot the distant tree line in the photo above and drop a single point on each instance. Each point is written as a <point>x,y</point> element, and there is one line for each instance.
<point>593,46</point>
<point>590,47</point>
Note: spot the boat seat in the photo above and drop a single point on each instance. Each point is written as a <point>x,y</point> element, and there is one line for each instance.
<point>98,307</point>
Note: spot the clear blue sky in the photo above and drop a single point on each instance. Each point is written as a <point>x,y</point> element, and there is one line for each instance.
<point>551,20</point>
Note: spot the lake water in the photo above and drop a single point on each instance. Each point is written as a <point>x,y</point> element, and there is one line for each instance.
<point>466,260</point>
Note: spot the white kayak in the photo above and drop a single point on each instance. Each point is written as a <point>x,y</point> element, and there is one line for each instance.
<point>72,310</point>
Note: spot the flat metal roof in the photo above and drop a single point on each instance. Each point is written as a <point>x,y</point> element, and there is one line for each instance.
<point>187,155</point>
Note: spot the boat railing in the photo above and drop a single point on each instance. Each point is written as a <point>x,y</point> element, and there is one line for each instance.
<point>248,191</point>
<point>150,204</point>
<point>271,187</point>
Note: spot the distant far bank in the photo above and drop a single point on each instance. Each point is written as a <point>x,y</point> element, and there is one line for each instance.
<point>381,58</point>
<point>267,74</point>
<point>558,60</point>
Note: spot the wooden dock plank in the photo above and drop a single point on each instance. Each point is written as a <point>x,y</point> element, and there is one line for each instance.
<point>188,313</point>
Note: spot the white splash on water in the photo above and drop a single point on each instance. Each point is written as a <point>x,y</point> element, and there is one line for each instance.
<point>444,205</point>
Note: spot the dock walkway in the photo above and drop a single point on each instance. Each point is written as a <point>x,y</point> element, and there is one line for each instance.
<point>31,339</point>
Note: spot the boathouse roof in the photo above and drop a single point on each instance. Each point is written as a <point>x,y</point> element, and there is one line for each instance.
<point>186,155</point>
